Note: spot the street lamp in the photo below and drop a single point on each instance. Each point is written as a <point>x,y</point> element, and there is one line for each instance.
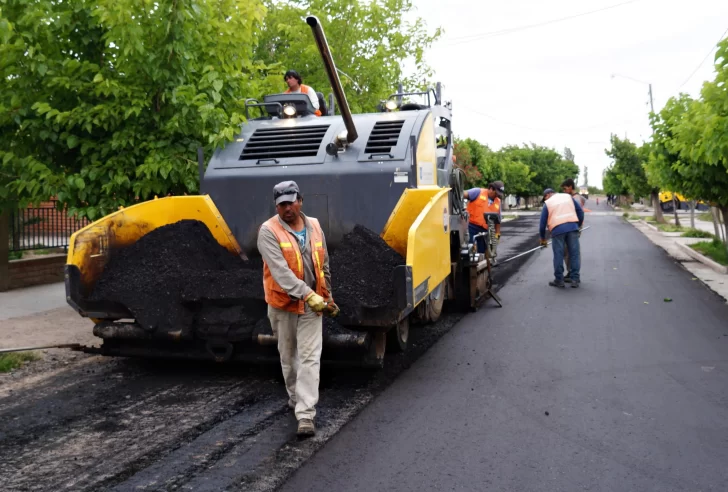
<point>652,106</point>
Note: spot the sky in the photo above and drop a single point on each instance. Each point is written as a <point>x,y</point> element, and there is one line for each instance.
<point>552,84</point>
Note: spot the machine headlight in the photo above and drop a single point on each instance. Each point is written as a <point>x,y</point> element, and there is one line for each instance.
<point>289,110</point>
<point>391,105</point>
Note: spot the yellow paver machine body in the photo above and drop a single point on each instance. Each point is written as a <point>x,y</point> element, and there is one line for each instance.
<point>390,171</point>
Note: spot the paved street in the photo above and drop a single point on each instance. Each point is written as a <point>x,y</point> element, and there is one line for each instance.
<point>604,388</point>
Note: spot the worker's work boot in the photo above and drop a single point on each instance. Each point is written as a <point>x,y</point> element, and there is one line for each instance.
<point>575,284</point>
<point>305,428</point>
<point>567,278</point>
<point>555,283</point>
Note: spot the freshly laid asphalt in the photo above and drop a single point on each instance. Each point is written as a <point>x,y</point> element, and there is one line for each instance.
<point>603,388</point>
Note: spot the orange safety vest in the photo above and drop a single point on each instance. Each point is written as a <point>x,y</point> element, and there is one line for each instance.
<point>480,206</point>
<point>561,210</point>
<point>274,295</point>
<point>304,90</point>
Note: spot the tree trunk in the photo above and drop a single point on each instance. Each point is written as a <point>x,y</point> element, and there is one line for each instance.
<point>692,214</point>
<point>4,251</point>
<point>724,211</point>
<point>716,221</point>
<point>658,210</point>
<point>674,209</point>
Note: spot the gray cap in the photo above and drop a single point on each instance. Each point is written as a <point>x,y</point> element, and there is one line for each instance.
<point>286,191</point>
<point>499,187</point>
<point>547,191</point>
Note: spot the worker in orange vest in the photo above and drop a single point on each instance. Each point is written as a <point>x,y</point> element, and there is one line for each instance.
<point>296,86</point>
<point>297,284</point>
<point>562,215</point>
<point>481,201</point>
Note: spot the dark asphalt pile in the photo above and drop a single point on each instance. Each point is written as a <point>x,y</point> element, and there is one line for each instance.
<point>361,268</point>
<point>178,276</point>
<point>153,276</point>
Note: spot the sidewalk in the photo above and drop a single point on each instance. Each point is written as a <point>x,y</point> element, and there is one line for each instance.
<point>717,282</point>
<point>40,316</point>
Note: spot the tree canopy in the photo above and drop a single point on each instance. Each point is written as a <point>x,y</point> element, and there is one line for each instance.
<point>525,170</point>
<point>105,103</point>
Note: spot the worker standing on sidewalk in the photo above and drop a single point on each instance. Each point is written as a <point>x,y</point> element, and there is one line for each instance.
<point>297,285</point>
<point>563,216</point>
<point>482,201</point>
<point>568,187</point>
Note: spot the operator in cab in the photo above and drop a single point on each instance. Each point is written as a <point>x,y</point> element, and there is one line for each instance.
<point>482,201</point>
<point>296,86</point>
<point>297,284</point>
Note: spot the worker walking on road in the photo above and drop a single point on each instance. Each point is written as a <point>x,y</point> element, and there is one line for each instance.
<point>563,216</point>
<point>296,86</point>
<point>297,285</point>
<point>482,201</point>
<point>568,187</point>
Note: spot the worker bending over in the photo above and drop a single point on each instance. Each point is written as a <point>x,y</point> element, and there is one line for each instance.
<point>563,216</point>
<point>297,285</point>
<point>482,201</point>
<point>296,86</point>
<point>568,187</point>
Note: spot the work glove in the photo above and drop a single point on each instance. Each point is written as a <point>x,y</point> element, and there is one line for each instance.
<point>543,243</point>
<point>315,302</point>
<point>497,236</point>
<point>331,308</point>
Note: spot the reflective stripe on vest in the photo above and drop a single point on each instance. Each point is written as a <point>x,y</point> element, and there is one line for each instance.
<point>561,210</point>
<point>480,206</point>
<point>274,294</point>
<point>304,90</point>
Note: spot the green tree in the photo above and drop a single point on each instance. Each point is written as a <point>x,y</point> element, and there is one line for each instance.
<point>612,183</point>
<point>369,41</point>
<point>464,162</point>
<point>629,171</point>
<point>546,166</point>
<point>107,103</point>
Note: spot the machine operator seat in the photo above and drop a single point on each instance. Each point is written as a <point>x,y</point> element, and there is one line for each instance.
<point>322,104</point>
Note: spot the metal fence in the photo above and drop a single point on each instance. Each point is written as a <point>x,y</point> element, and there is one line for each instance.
<point>42,227</point>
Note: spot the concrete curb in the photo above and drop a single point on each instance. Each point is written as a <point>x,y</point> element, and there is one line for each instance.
<point>703,259</point>
<point>650,226</point>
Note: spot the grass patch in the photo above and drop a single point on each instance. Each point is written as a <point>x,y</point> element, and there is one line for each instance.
<point>670,228</point>
<point>697,233</point>
<point>715,250</point>
<point>15,255</point>
<point>14,360</point>
<point>510,216</point>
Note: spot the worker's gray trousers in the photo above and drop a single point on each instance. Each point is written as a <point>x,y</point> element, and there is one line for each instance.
<point>300,338</point>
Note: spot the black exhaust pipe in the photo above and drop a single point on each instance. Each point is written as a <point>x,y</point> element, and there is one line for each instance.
<point>323,46</point>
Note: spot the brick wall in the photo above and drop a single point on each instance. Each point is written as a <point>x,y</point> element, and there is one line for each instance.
<point>36,271</point>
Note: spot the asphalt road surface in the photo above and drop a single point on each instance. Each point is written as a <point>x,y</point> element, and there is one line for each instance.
<point>603,388</point>
<point>76,422</point>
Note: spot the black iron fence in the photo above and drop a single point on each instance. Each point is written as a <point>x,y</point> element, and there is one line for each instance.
<point>42,227</point>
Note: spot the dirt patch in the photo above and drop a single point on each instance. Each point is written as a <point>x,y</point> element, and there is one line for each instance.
<point>179,277</point>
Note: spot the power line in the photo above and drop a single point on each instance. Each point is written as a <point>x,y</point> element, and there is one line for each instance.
<point>704,59</point>
<point>544,130</point>
<point>475,37</point>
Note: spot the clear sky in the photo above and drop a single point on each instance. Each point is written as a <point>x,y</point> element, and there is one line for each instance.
<point>552,83</point>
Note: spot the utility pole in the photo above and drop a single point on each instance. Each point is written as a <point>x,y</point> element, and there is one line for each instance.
<point>652,106</point>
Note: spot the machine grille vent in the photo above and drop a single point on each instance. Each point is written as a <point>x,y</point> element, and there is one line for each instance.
<point>276,143</point>
<point>384,136</point>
